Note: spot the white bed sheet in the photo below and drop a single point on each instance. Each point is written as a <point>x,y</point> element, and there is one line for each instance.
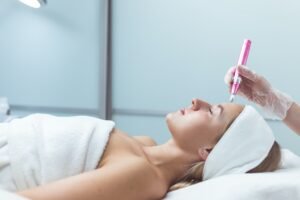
<point>284,184</point>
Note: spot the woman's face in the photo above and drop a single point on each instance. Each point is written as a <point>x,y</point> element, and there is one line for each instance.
<point>201,124</point>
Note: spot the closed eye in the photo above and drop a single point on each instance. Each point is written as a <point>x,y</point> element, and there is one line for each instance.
<point>210,110</point>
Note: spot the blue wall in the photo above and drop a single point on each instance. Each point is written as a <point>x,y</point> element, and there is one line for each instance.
<point>167,52</point>
<point>53,58</point>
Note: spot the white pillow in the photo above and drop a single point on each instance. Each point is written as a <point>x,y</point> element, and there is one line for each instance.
<point>279,185</point>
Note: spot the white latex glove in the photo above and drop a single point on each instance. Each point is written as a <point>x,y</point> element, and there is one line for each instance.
<point>258,90</point>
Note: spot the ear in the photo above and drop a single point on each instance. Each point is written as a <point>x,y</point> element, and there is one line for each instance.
<point>203,152</point>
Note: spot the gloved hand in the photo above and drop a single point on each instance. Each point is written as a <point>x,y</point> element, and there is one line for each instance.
<point>258,90</point>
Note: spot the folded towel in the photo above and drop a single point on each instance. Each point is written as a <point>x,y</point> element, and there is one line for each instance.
<point>6,179</point>
<point>44,148</point>
<point>244,145</point>
<point>281,184</point>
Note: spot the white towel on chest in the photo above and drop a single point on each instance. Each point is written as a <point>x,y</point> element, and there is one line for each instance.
<point>44,148</point>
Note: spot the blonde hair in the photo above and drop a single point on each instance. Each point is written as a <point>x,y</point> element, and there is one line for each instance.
<point>194,174</point>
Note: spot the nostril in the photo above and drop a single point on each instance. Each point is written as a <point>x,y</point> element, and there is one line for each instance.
<point>193,101</point>
<point>195,104</point>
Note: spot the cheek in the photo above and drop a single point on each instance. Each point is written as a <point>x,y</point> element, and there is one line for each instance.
<point>198,122</point>
<point>207,132</point>
<point>196,125</point>
<point>189,125</point>
<point>215,133</point>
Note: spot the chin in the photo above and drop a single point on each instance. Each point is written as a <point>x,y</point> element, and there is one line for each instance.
<point>170,122</point>
<point>169,116</point>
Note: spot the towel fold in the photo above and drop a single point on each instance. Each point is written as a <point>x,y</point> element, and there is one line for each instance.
<point>6,179</point>
<point>44,148</point>
<point>244,145</point>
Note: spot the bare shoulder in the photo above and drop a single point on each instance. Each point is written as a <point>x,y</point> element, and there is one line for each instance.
<point>145,140</point>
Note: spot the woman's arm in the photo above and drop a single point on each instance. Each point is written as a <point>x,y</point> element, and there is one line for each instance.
<point>292,119</point>
<point>130,180</point>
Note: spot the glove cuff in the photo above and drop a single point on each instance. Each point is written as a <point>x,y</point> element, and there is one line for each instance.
<point>279,103</point>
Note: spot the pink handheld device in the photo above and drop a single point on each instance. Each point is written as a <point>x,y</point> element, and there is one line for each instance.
<point>242,61</point>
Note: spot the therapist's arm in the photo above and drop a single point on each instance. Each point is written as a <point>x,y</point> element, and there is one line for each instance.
<point>292,118</point>
<point>258,90</point>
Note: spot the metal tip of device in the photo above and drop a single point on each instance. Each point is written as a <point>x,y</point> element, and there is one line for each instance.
<point>231,98</point>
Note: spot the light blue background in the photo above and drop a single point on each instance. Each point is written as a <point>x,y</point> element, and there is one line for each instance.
<point>164,53</point>
<point>53,57</point>
<point>167,52</point>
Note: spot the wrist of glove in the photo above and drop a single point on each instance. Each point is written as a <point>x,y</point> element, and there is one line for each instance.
<point>277,103</point>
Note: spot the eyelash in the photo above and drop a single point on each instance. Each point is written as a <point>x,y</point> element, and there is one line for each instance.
<point>210,110</point>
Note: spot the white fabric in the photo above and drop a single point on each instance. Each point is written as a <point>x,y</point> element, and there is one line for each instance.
<point>279,185</point>
<point>244,145</point>
<point>5,195</point>
<point>43,148</point>
<point>5,165</point>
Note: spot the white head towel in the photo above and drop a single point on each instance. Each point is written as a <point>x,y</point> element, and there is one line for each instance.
<point>244,145</point>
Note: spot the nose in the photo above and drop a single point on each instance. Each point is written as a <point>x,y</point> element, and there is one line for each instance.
<point>198,104</point>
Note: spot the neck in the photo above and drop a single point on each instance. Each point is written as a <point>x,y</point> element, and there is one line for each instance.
<point>171,161</point>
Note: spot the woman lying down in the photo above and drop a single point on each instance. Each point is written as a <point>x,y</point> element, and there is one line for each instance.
<point>61,158</point>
